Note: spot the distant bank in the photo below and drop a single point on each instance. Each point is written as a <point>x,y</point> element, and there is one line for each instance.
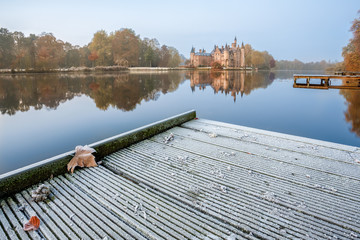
<point>112,68</point>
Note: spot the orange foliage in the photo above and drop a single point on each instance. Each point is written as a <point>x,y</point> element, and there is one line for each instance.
<point>33,224</point>
<point>351,52</point>
<point>93,56</point>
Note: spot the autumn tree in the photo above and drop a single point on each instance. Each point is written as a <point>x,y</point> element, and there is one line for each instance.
<point>125,47</point>
<point>351,52</point>
<point>49,51</point>
<point>92,57</point>
<point>101,45</point>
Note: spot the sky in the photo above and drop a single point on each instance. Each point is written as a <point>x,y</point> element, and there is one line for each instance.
<point>307,30</point>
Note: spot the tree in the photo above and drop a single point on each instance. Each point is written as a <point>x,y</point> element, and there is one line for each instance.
<point>6,48</point>
<point>125,47</point>
<point>72,56</point>
<point>272,62</point>
<point>216,66</point>
<point>101,44</point>
<point>49,51</point>
<point>175,58</point>
<point>84,57</point>
<point>92,57</point>
<point>248,53</point>
<point>257,58</point>
<point>149,52</point>
<point>164,56</point>
<point>351,52</point>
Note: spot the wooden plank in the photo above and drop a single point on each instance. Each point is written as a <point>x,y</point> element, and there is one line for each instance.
<point>130,169</point>
<point>155,202</point>
<point>51,219</point>
<point>70,215</point>
<point>14,222</point>
<point>167,219</point>
<point>141,223</point>
<point>44,221</point>
<point>6,225</point>
<point>147,230</point>
<point>293,166</point>
<point>115,223</point>
<point>307,145</point>
<point>177,188</point>
<point>80,207</point>
<point>22,218</point>
<point>328,199</point>
<point>2,233</point>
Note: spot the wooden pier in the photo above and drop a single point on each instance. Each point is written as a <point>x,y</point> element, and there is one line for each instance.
<point>212,180</point>
<point>324,81</point>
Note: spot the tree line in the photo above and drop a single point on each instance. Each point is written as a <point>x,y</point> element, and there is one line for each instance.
<point>258,59</point>
<point>122,48</point>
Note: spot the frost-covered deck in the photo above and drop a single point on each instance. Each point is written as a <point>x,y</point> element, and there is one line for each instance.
<point>211,181</point>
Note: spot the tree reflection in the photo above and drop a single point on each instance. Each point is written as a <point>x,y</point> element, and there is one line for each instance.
<point>123,91</point>
<point>352,115</point>
<point>230,82</point>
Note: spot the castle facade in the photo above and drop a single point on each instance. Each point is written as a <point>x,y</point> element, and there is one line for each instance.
<point>229,56</point>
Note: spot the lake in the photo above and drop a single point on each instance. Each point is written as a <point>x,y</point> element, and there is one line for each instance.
<point>43,115</point>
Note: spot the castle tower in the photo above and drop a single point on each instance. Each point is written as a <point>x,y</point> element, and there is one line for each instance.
<point>192,56</point>
<point>233,45</point>
<point>242,55</point>
<point>226,56</point>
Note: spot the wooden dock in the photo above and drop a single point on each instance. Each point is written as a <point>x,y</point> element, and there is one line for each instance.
<point>324,81</point>
<point>212,180</point>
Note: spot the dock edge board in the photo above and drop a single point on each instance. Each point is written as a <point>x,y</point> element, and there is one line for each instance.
<point>24,177</point>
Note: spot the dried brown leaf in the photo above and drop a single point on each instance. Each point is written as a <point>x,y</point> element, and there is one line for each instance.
<point>82,158</point>
<point>32,224</point>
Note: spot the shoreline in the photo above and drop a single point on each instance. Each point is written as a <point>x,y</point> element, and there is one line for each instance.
<point>112,68</point>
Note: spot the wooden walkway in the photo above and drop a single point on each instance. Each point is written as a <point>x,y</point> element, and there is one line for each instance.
<point>324,81</point>
<point>211,181</point>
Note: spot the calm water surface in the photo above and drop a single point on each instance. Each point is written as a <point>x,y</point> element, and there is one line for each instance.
<point>43,115</point>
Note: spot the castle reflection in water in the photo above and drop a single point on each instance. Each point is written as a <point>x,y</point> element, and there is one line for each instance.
<point>230,82</point>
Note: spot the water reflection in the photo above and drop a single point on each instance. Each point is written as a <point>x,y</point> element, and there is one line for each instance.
<point>123,91</point>
<point>352,114</point>
<point>230,82</point>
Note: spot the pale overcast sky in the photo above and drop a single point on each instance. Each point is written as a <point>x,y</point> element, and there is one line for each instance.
<point>308,30</point>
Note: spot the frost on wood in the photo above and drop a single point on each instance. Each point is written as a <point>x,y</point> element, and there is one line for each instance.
<point>212,135</point>
<point>169,138</point>
<point>83,158</point>
<point>41,193</point>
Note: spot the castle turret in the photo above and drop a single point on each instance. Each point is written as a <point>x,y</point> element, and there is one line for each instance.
<point>233,45</point>
<point>226,56</point>
<point>242,55</point>
<point>192,56</point>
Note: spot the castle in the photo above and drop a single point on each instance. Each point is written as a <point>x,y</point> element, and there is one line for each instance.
<point>228,57</point>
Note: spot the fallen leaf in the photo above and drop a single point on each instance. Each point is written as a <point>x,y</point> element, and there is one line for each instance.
<point>83,158</point>
<point>32,224</point>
